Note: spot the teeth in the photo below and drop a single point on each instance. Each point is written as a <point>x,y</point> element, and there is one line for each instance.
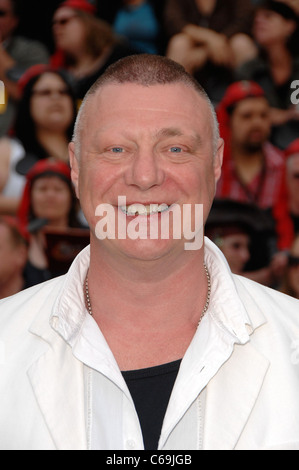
<point>140,209</point>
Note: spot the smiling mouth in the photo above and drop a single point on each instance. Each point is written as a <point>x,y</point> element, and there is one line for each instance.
<point>136,209</point>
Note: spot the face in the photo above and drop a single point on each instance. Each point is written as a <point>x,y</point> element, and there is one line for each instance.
<point>294,268</point>
<point>250,123</point>
<point>270,28</point>
<point>236,250</point>
<point>293,182</point>
<point>8,22</point>
<point>51,105</point>
<point>293,4</point>
<point>154,149</point>
<point>68,30</point>
<point>12,258</point>
<point>51,199</point>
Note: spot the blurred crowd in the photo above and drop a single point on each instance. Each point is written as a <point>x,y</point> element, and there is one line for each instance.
<point>245,56</point>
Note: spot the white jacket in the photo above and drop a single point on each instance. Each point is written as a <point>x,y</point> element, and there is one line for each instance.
<point>250,373</point>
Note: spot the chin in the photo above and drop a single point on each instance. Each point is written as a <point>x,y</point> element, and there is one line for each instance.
<point>147,250</point>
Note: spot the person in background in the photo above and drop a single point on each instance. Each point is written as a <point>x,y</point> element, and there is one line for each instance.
<point>294,4</point>
<point>48,201</point>
<point>85,45</point>
<point>17,54</point>
<point>138,22</point>
<point>292,163</point>
<point>253,169</point>
<point>276,32</point>
<point>43,127</point>
<point>234,242</point>
<point>13,254</point>
<point>210,38</point>
<point>239,230</point>
<point>290,284</point>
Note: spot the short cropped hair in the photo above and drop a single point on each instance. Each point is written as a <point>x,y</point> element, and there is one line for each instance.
<point>145,70</point>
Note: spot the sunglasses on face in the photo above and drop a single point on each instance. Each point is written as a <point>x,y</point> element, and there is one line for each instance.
<point>47,92</point>
<point>293,261</point>
<point>3,13</point>
<point>63,21</point>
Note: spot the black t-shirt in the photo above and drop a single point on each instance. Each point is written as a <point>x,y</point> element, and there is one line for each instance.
<point>150,390</point>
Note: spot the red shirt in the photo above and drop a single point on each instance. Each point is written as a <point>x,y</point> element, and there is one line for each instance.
<point>267,190</point>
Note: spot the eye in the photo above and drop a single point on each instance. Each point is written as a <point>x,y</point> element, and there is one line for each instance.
<point>117,150</point>
<point>175,150</point>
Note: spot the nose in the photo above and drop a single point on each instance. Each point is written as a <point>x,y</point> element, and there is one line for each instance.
<point>145,171</point>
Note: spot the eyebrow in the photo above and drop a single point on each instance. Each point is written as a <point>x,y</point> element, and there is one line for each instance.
<point>176,132</point>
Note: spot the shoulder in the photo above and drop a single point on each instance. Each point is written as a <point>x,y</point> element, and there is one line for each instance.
<point>274,155</point>
<point>251,69</point>
<point>19,311</point>
<point>262,292</point>
<point>6,153</point>
<point>21,45</point>
<point>5,146</point>
<point>279,310</point>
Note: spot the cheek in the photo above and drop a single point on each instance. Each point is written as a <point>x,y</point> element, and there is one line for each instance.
<point>36,200</point>
<point>294,278</point>
<point>35,111</point>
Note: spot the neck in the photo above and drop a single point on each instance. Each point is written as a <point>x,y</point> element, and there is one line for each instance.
<point>134,2</point>
<point>82,64</point>
<point>11,286</point>
<point>278,53</point>
<point>150,290</point>
<point>294,206</point>
<point>142,307</point>
<point>247,156</point>
<point>280,61</point>
<point>55,143</point>
<point>61,222</point>
<point>248,164</point>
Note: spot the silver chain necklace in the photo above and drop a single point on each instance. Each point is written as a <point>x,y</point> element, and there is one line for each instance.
<point>89,308</point>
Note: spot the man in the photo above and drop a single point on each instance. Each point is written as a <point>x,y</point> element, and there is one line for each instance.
<point>14,255</point>
<point>253,169</point>
<point>17,54</point>
<point>146,342</point>
<point>292,155</point>
<point>236,228</point>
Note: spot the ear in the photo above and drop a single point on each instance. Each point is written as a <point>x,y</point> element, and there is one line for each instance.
<point>218,160</point>
<point>74,167</point>
<point>292,25</point>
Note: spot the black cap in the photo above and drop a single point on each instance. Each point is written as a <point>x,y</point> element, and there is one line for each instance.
<point>279,7</point>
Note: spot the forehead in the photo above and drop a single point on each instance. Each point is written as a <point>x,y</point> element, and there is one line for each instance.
<point>63,12</point>
<point>49,78</point>
<point>252,104</point>
<point>49,180</point>
<point>4,233</point>
<point>294,161</point>
<point>6,4</point>
<point>136,105</point>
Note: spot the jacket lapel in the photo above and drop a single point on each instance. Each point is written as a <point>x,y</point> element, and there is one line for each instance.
<point>231,396</point>
<point>58,385</point>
